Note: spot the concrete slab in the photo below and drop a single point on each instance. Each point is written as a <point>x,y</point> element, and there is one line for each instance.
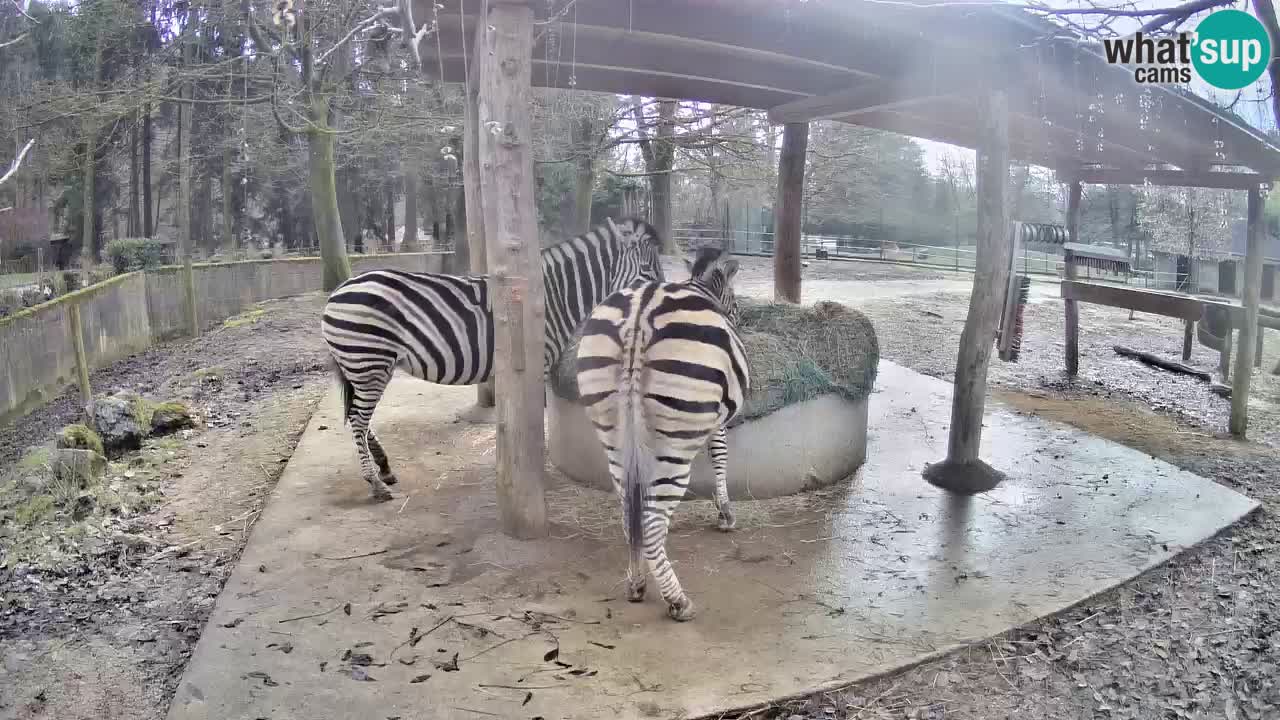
<point>816,590</point>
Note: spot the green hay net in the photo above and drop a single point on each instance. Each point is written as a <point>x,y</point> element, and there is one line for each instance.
<point>795,353</point>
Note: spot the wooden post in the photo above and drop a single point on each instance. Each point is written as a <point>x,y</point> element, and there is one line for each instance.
<point>1224,355</point>
<point>511,240</point>
<point>786,221</point>
<point>962,471</point>
<point>82,358</point>
<point>1188,331</point>
<point>1257,354</point>
<point>1071,307</point>
<point>1246,353</point>
<point>473,195</point>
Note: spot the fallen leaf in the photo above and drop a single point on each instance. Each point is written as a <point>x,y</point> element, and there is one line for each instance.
<point>552,654</point>
<point>450,666</point>
<point>419,678</point>
<point>359,673</point>
<point>527,697</point>
<point>346,609</point>
<point>603,645</point>
<point>233,623</point>
<point>265,678</point>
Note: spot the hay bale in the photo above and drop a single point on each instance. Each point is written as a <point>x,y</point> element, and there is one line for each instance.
<point>795,353</point>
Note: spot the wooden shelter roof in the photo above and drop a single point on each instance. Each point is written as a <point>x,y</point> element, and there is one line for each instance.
<point>907,66</point>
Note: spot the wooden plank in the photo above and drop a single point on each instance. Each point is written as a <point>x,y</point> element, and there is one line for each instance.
<point>511,242</point>
<point>1071,309</point>
<point>1170,178</point>
<point>992,265</point>
<point>786,233</point>
<point>473,196</point>
<point>1239,422</point>
<point>1130,298</point>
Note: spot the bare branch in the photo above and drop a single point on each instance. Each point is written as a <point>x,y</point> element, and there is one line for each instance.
<point>1182,12</point>
<point>363,25</point>
<point>17,162</point>
<point>14,41</point>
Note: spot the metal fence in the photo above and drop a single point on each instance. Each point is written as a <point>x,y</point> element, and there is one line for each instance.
<point>956,257</point>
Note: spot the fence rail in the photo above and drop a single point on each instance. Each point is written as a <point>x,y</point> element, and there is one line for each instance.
<point>128,313</point>
<point>955,257</point>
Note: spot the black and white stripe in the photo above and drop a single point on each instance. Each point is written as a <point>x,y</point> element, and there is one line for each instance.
<point>439,328</point>
<point>661,371</point>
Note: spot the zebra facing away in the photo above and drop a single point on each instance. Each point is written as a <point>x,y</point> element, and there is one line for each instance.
<point>439,328</point>
<point>661,371</point>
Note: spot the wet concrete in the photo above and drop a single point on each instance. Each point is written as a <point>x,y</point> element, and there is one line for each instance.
<point>816,590</point>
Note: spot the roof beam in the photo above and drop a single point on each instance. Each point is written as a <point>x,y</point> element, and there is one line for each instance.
<point>877,95</point>
<point>930,80</point>
<point>1170,178</point>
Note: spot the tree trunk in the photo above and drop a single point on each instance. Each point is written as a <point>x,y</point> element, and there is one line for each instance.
<point>229,239</point>
<point>786,234</point>
<point>324,199</point>
<point>585,177</point>
<point>88,236</point>
<point>660,183</point>
<point>389,217</point>
<point>148,227</point>
<point>204,212</point>
<point>515,266</point>
<point>410,241</point>
<point>135,214</point>
<point>962,471</point>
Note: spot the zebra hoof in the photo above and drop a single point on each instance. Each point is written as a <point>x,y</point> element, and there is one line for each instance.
<point>727,520</point>
<point>681,612</point>
<point>382,495</point>
<point>388,479</point>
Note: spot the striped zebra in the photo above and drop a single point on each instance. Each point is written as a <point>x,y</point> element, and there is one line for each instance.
<point>661,371</point>
<point>439,328</point>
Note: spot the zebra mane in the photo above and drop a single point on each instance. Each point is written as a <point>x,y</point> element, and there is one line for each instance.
<point>611,231</point>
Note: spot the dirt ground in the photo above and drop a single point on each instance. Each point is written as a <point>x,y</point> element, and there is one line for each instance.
<point>107,635</point>
<point>104,631</point>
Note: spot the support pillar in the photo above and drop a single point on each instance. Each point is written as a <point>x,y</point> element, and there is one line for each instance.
<point>787,219</point>
<point>514,261</point>
<point>1246,352</point>
<point>962,472</point>
<point>473,197</point>
<point>1071,307</point>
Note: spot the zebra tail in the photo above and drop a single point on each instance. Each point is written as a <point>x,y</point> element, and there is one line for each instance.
<point>348,390</point>
<point>637,470</point>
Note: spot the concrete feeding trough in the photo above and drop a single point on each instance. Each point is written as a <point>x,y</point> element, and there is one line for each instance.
<point>805,422</point>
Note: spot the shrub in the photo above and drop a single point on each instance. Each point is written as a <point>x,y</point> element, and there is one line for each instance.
<point>128,254</point>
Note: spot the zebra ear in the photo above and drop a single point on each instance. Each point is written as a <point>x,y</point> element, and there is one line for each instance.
<point>730,269</point>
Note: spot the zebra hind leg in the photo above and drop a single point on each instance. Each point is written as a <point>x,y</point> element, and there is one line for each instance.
<point>658,519</point>
<point>364,398</point>
<point>719,450</point>
<point>380,457</point>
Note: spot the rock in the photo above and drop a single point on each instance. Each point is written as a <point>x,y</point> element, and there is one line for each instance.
<point>79,436</point>
<point>83,467</point>
<point>168,417</point>
<point>83,506</point>
<point>117,422</point>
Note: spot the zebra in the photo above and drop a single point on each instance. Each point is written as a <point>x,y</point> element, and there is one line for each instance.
<point>439,327</point>
<point>661,371</point>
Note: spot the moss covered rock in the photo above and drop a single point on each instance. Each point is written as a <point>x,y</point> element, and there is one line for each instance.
<point>118,421</point>
<point>79,436</point>
<point>168,417</point>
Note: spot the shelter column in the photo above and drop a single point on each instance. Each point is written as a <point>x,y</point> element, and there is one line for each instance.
<point>1252,291</point>
<point>962,471</point>
<point>471,189</point>
<point>511,242</point>
<point>1071,307</point>
<point>790,200</point>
